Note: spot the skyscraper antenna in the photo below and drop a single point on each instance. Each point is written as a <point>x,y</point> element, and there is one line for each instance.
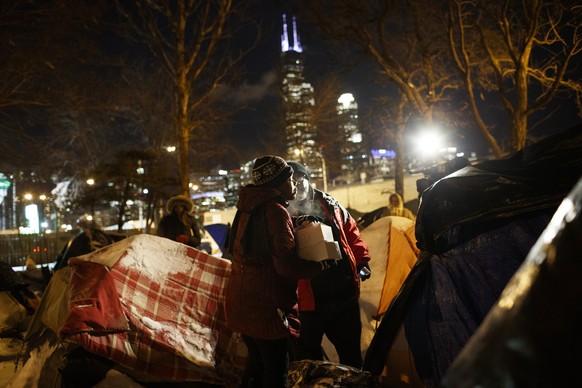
<point>284,37</point>
<point>296,43</point>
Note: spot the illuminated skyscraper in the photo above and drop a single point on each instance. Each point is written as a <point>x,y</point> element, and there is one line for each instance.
<point>299,100</point>
<point>353,159</point>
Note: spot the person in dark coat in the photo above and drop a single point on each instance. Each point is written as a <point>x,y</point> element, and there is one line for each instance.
<point>179,224</point>
<point>328,304</point>
<point>261,292</point>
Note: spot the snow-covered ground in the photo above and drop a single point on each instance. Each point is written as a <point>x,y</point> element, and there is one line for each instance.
<point>361,197</point>
<point>371,196</point>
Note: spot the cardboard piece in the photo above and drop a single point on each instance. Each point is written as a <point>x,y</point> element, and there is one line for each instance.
<point>315,242</point>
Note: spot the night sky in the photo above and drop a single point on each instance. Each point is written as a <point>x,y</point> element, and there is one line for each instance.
<point>254,126</point>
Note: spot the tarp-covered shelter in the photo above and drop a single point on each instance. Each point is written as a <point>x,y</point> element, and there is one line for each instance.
<point>146,306</point>
<point>531,337</point>
<point>474,229</point>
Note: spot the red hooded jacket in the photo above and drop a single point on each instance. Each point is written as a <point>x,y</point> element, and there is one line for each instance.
<point>261,292</point>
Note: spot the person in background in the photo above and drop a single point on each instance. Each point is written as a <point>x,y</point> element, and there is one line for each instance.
<point>396,207</point>
<point>260,295</point>
<point>328,304</point>
<point>179,224</point>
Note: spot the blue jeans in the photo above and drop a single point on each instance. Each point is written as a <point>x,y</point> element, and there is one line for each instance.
<point>267,363</point>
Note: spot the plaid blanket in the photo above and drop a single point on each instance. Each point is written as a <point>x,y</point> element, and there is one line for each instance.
<point>172,297</point>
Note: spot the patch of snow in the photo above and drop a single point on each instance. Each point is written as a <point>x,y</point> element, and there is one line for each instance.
<point>151,324</point>
<point>28,375</point>
<point>167,257</point>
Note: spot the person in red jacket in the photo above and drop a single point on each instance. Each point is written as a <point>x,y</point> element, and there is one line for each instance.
<point>329,304</point>
<point>261,292</point>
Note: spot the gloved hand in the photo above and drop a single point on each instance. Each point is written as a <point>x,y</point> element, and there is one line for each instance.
<point>297,221</point>
<point>364,271</point>
<point>328,263</point>
<point>182,238</point>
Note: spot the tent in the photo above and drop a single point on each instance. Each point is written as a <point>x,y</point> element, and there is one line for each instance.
<point>392,246</point>
<point>474,229</point>
<point>531,337</point>
<point>146,306</point>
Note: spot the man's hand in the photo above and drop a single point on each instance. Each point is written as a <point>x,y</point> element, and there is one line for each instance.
<point>364,271</point>
<point>328,264</point>
<point>297,221</point>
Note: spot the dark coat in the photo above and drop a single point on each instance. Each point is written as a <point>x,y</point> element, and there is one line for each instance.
<point>265,266</point>
<point>171,227</point>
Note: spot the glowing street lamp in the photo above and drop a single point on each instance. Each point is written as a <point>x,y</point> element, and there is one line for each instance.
<point>428,143</point>
<point>91,183</point>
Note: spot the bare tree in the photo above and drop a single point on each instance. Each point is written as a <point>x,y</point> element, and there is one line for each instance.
<point>190,40</point>
<point>402,38</point>
<point>325,118</point>
<point>522,53</point>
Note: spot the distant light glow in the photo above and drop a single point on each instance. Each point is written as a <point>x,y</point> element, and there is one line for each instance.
<point>429,142</point>
<point>356,138</point>
<point>383,153</point>
<point>346,99</point>
<point>31,214</point>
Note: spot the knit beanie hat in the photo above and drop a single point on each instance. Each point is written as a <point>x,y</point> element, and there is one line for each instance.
<point>299,168</point>
<point>270,171</point>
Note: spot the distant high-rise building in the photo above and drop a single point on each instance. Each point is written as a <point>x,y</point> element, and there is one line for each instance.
<point>353,159</point>
<point>298,99</point>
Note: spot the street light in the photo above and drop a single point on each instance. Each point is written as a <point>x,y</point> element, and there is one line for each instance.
<point>91,183</point>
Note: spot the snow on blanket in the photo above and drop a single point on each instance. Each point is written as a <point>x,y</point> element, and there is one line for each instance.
<point>172,297</point>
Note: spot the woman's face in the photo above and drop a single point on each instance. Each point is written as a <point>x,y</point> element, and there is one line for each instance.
<point>179,208</point>
<point>288,189</point>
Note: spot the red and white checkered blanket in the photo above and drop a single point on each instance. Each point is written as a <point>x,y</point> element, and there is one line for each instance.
<point>172,297</point>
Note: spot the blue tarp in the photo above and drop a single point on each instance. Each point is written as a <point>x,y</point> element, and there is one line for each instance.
<point>219,233</point>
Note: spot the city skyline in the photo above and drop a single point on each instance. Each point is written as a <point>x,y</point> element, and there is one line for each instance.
<point>359,81</point>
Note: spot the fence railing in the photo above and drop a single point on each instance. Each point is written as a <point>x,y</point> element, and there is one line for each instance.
<point>42,248</point>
